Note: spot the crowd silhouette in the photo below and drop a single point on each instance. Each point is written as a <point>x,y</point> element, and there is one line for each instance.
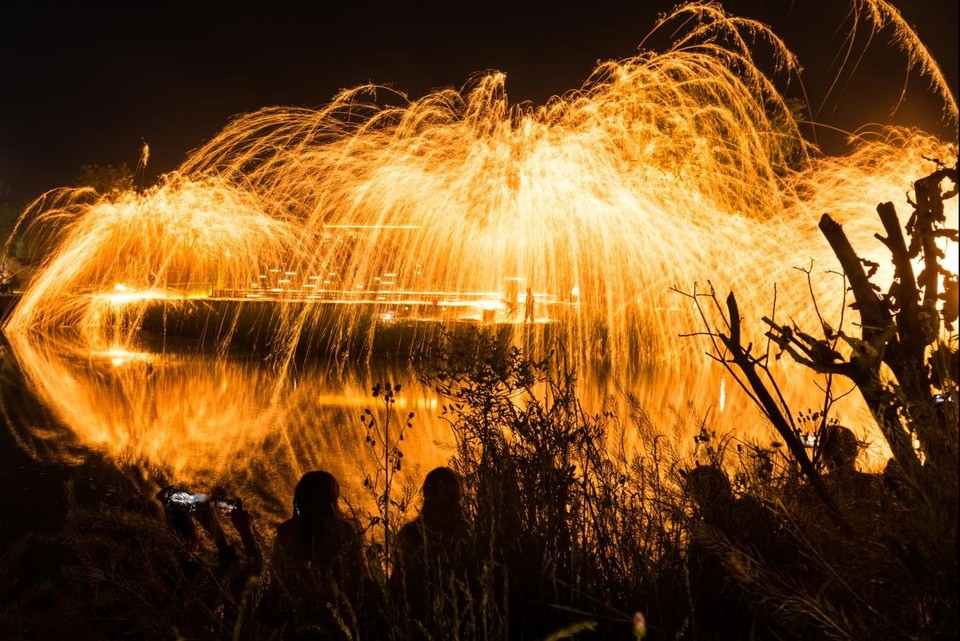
<point>467,558</point>
<point>321,580</point>
<point>317,582</point>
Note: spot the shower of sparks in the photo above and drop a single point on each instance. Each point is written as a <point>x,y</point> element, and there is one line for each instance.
<point>664,170</point>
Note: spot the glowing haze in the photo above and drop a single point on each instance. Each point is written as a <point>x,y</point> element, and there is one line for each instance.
<point>665,169</point>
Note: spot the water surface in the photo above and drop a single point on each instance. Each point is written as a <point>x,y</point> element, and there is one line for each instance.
<point>201,420</point>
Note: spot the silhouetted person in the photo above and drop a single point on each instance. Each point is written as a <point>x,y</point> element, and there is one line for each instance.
<point>861,497</point>
<point>839,450</point>
<point>895,481</point>
<point>189,520</point>
<point>317,557</point>
<point>218,583</point>
<point>433,554</point>
<point>901,498</point>
<point>530,306</point>
<point>724,527</point>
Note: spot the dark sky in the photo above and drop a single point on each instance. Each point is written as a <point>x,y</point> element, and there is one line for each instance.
<point>85,84</point>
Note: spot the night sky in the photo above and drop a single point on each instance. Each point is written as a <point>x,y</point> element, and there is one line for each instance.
<point>88,84</point>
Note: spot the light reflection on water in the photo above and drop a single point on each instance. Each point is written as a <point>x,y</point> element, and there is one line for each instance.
<point>198,420</point>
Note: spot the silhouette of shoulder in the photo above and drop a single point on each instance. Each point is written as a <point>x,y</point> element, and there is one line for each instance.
<point>336,537</point>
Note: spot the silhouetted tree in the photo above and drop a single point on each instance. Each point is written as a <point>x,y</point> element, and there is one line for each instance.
<point>105,178</point>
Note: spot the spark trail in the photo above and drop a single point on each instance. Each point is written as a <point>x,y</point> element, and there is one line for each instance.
<point>665,169</point>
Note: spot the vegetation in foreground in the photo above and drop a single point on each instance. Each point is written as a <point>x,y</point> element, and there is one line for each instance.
<point>571,538</point>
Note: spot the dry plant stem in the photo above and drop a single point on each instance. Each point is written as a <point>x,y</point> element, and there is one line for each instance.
<point>747,364</point>
<point>928,212</point>
<point>759,392</point>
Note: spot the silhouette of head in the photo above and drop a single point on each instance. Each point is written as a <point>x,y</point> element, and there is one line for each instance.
<point>840,448</point>
<point>316,495</point>
<point>893,478</point>
<point>441,491</point>
<point>708,485</point>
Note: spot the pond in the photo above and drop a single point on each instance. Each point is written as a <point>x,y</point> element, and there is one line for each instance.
<point>199,419</point>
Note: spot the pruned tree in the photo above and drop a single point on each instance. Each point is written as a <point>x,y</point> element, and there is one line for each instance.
<point>902,357</point>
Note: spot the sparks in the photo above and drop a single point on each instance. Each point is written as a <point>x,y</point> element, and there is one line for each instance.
<point>665,169</point>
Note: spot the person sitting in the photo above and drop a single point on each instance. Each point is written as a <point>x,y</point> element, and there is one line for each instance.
<point>432,553</point>
<point>838,455</point>
<point>724,529</point>
<point>317,555</point>
<point>220,581</point>
<point>184,512</point>
<point>861,496</point>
